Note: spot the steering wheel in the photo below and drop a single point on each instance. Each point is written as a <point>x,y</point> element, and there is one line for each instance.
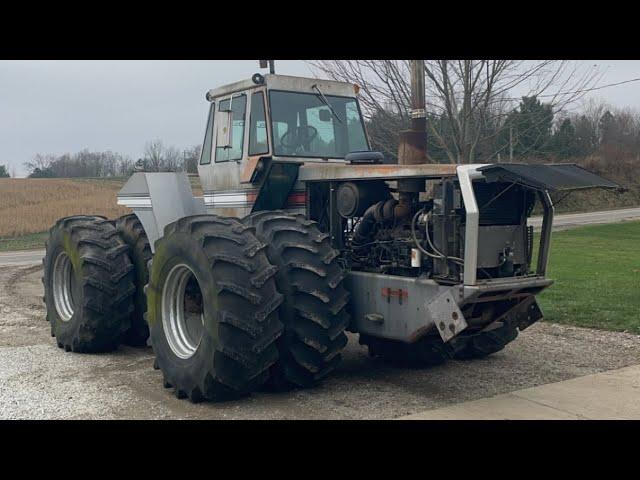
<point>299,136</point>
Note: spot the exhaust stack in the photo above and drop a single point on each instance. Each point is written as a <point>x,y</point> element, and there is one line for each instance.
<point>412,148</point>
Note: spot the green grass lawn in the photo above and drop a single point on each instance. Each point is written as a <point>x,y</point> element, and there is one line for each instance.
<point>25,242</point>
<point>597,277</point>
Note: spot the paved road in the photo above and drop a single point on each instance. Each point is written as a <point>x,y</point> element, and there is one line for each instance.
<point>571,220</point>
<point>21,258</point>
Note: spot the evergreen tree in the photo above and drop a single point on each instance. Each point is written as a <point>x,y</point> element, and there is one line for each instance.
<point>606,127</point>
<point>565,142</point>
<point>529,128</point>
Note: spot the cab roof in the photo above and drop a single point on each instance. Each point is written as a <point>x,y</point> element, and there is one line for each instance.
<point>286,82</point>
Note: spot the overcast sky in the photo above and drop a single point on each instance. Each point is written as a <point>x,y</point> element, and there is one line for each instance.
<point>66,106</point>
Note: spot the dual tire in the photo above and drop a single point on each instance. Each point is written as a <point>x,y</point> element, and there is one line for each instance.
<point>213,308</point>
<point>315,298</point>
<point>88,284</point>
<point>231,305</point>
<point>132,234</point>
<point>270,295</point>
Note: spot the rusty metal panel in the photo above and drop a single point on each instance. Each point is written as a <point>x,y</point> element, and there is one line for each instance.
<point>323,172</point>
<point>249,168</point>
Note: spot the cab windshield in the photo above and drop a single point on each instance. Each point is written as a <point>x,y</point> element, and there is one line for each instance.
<point>304,125</point>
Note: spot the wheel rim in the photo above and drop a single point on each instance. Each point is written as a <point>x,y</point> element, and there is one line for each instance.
<point>182,311</point>
<point>63,287</point>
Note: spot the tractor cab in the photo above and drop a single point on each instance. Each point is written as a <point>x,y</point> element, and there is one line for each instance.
<point>275,121</point>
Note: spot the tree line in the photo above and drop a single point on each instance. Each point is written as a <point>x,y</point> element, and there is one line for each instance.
<point>530,130</point>
<point>477,111</point>
<point>470,104</point>
<point>156,158</point>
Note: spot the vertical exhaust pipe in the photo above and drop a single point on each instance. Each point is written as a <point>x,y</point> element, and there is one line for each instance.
<point>412,148</point>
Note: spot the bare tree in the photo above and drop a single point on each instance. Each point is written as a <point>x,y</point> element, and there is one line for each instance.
<point>153,155</point>
<point>40,162</point>
<point>191,156</point>
<point>467,100</point>
<point>159,158</point>
<point>172,159</point>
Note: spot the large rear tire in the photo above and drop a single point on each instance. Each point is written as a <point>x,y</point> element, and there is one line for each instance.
<point>88,284</point>
<point>313,312</point>
<point>132,233</point>
<point>212,308</point>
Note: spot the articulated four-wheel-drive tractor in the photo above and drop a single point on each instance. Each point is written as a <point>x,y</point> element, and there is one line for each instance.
<point>303,233</point>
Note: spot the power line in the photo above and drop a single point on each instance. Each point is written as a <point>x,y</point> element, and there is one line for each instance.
<point>590,89</point>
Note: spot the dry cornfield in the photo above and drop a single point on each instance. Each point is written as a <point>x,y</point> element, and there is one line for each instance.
<point>32,205</point>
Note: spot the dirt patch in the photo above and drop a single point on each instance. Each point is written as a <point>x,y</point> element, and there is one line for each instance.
<point>42,381</point>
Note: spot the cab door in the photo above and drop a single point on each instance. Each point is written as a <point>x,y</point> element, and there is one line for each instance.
<point>224,154</point>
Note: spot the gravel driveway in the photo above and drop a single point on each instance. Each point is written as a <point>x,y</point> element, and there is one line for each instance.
<point>40,381</point>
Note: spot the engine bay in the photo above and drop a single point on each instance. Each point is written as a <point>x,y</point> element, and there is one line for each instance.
<point>386,229</point>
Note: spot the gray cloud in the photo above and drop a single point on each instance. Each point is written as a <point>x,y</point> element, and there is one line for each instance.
<point>65,106</point>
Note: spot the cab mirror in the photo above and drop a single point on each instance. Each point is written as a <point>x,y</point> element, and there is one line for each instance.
<point>223,128</point>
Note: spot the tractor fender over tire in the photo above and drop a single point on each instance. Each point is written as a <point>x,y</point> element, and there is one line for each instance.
<point>313,312</point>
<point>88,284</point>
<point>132,233</point>
<point>237,316</point>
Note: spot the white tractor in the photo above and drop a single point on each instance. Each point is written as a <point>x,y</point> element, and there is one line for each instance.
<point>302,233</point>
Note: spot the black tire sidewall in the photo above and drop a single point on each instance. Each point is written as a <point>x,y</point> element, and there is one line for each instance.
<point>62,241</point>
<point>181,248</point>
<point>138,334</point>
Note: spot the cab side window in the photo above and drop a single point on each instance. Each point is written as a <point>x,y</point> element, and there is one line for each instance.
<point>238,106</point>
<point>205,156</point>
<point>258,126</point>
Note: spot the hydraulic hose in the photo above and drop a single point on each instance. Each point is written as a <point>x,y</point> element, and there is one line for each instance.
<point>372,215</point>
<point>437,253</point>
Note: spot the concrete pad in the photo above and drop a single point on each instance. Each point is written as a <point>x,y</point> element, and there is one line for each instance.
<point>612,395</point>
